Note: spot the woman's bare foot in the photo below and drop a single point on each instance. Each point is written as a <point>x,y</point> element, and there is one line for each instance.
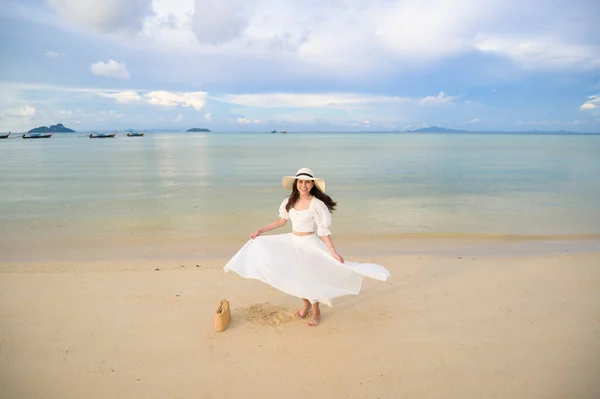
<point>303,312</point>
<point>316,315</point>
<point>314,320</point>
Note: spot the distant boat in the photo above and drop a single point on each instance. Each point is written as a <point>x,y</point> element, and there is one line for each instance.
<point>284,131</point>
<point>4,135</point>
<point>131,133</point>
<point>95,135</point>
<point>273,131</point>
<point>37,135</point>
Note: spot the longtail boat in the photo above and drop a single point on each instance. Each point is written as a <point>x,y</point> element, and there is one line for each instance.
<point>95,135</point>
<point>37,135</point>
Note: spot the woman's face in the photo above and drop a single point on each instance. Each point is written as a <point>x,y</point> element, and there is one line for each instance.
<point>304,186</point>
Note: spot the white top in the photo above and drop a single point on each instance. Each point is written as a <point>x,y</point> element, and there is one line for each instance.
<point>304,221</point>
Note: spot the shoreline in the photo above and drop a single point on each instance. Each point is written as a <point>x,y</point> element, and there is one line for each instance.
<point>214,247</point>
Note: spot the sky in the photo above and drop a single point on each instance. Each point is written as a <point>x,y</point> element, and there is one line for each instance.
<point>300,65</point>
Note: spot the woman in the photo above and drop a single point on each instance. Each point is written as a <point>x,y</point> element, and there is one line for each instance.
<point>299,263</point>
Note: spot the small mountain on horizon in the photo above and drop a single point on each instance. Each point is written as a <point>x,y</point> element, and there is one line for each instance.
<point>437,129</point>
<point>58,128</point>
<point>197,129</point>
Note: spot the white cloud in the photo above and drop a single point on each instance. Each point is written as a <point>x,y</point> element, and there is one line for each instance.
<point>122,97</point>
<point>428,29</point>
<point>178,9</point>
<point>360,37</point>
<point>246,121</point>
<point>366,122</point>
<point>305,100</point>
<point>441,98</point>
<point>416,32</point>
<point>110,68</point>
<point>217,21</point>
<point>543,53</point>
<point>474,120</point>
<point>591,102</point>
<point>23,112</point>
<point>169,29</point>
<point>105,16</point>
<point>366,36</point>
<point>112,114</point>
<point>208,117</point>
<point>195,99</point>
<point>53,54</point>
<point>51,87</point>
<point>178,118</point>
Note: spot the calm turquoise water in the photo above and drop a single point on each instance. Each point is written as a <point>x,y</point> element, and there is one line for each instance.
<point>176,184</point>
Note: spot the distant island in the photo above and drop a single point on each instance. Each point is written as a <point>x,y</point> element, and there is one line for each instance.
<point>58,128</point>
<point>436,129</point>
<point>197,129</point>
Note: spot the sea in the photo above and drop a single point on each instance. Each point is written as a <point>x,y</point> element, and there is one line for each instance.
<point>72,191</point>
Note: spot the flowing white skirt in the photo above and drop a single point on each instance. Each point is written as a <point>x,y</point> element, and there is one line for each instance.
<point>301,266</point>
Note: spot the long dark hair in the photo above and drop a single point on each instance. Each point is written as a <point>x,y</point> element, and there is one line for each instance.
<point>315,192</point>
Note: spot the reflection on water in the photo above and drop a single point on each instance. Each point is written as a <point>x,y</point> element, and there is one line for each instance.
<point>177,184</point>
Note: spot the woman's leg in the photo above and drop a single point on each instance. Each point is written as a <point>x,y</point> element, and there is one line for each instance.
<point>316,315</point>
<point>303,311</point>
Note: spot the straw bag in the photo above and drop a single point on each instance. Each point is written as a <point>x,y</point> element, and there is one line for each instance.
<point>222,316</point>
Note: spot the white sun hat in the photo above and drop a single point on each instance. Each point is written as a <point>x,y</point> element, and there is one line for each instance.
<point>302,174</point>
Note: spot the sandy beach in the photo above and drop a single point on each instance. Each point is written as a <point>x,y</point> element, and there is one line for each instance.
<point>443,326</point>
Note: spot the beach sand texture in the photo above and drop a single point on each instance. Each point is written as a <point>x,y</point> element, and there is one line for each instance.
<point>111,257</point>
<point>441,327</point>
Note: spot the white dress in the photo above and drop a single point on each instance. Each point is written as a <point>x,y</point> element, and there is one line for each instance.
<point>302,265</point>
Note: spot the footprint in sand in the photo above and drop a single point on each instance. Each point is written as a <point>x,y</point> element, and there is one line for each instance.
<point>267,314</point>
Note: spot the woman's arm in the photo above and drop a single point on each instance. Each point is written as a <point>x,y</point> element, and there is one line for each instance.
<point>271,226</point>
<point>332,251</point>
